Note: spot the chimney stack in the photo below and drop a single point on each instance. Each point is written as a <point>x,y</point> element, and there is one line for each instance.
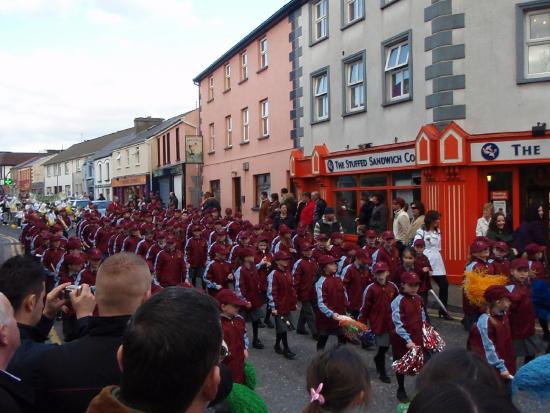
<point>141,124</point>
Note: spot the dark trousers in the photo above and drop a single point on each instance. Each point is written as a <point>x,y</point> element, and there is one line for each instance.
<point>323,338</point>
<point>307,316</point>
<point>195,273</point>
<point>443,284</point>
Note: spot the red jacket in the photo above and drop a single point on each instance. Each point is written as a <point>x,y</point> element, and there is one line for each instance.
<point>142,248</point>
<point>263,270</point>
<point>522,312</point>
<point>376,308</point>
<point>370,250</point>
<point>234,335</point>
<point>299,240</point>
<point>119,241</point>
<point>281,294</point>
<point>216,272</point>
<point>491,338</point>
<point>233,229</point>
<point>501,266</point>
<point>51,258</point>
<point>398,272</point>
<point>337,251</point>
<point>317,252</point>
<point>407,317</point>
<point>88,275</point>
<point>152,254</point>
<point>391,258</point>
<point>304,272</point>
<point>421,262</point>
<point>130,243</point>
<point>170,268</point>
<point>537,268</point>
<point>306,215</point>
<point>234,255</point>
<point>101,239</point>
<point>88,234</point>
<point>247,285</point>
<point>331,298</point>
<point>196,250</point>
<point>355,281</point>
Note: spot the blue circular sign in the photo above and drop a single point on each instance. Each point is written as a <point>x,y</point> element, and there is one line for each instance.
<point>330,165</point>
<point>490,151</point>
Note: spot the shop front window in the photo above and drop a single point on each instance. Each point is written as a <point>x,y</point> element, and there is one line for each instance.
<point>374,180</point>
<point>346,181</point>
<point>346,209</point>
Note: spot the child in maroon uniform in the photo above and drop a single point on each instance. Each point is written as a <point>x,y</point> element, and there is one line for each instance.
<point>247,287</point>
<point>331,302</point>
<point>337,241</point>
<point>218,271</point>
<point>235,251</point>
<point>321,246</point>
<point>89,273</point>
<point>170,269</point>
<point>408,317</point>
<point>535,254</point>
<point>522,312</point>
<point>376,311</point>
<point>423,269</point>
<point>263,263</point>
<point>196,251</point>
<point>144,245</point>
<point>304,272</point>
<point>499,261</point>
<point>282,301</point>
<point>234,333</point>
<point>356,277</point>
<point>490,336</point>
<point>371,242</point>
<point>408,259</point>
<point>388,252</point>
<point>154,249</point>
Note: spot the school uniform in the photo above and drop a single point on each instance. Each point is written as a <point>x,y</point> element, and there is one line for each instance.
<point>390,257</point>
<point>130,243</point>
<point>304,272</point>
<point>195,253</point>
<point>234,335</point>
<point>536,268</point>
<point>331,298</point>
<point>522,320</point>
<point>170,269</point>
<point>247,287</point>
<point>408,317</point>
<point>377,312</point>
<point>142,247</point>
<point>282,297</point>
<point>421,262</point>
<point>355,281</point>
<point>471,311</point>
<point>216,272</point>
<point>501,266</point>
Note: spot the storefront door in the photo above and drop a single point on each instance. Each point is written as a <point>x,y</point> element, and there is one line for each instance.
<point>535,188</point>
<point>237,194</point>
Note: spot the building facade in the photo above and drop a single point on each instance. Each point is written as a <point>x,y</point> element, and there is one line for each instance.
<point>244,118</point>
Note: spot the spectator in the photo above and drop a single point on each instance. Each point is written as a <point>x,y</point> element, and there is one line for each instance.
<point>167,369</point>
<point>418,213</point>
<point>306,208</point>
<point>264,207</point>
<point>101,197</point>
<point>532,229</point>
<point>284,217</point>
<point>15,396</point>
<point>401,223</point>
<point>379,217</point>
<point>72,374</point>
<point>22,281</point>
<point>365,211</point>
<point>455,397</point>
<point>173,201</point>
<point>431,234</point>
<point>482,225</point>
<point>288,199</point>
<point>210,202</point>
<point>328,224</point>
<point>320,205</point>
<point>274,205</point>
<point>498,229</point>
<point>337,381</point>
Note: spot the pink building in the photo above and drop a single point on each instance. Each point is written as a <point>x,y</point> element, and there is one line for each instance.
<point>245,118</point>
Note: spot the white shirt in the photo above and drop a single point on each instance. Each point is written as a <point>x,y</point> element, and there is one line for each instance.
<point>433,250</point>
<point>482,226</point>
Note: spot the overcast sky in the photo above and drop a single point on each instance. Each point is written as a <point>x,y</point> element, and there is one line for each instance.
<point>79,69</point>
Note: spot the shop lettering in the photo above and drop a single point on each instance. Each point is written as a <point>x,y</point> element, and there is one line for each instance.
<point>380,160</point>
<point>526,150</point>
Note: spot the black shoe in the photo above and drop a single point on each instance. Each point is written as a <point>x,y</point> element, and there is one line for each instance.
<point>315,337</point>
<point>258,344</point>
<point>261,324</point>
<point>384,378</point>
<point>445,316</point>
<point>302,332</point>
<point>269,323</point>
<point>402,396</point>
<point>277,349</point>
<point>289,354</point>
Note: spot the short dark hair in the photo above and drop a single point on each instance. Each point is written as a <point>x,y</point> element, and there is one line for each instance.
<point>169,347</point>
<point>21,276</point>
<point>306,194</point>
<point>284,190</point>
<point>420,206</point>
<point>275,196</point>
<point>264,193</point>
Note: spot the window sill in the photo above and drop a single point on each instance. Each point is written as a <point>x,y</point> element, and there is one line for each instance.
<point>244,143</point>
<point>137,164</point>
<point>226,91</point>
<point>355,112</point>
<point>262,69</point>
<point>316,122</point>
<point>525,80</point>
<point>210,100</point>
<point>349,24</point>
<point>261,138</point>
<point>228,147</point>
<point>396,101</point>
<point>242,81</point>
<point>317,41</point>
<point>211,152</point>
<point>385,4</point>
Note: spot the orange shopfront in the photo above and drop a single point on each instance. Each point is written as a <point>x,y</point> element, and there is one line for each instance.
<point>449,170</point>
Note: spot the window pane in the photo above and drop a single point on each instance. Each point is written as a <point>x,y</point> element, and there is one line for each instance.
<point>409,195</point>
<point>321,85</point>
<point>355,72</point>
<point>539,59</point>
<point>404,55</point>
<point>396,81</point>
<point>357,97</point>
<point>346,210</point>
<point>406,178</point>
<point>539,25</point>
<point>347,181</point>
<point>373,180</point>
<point>406,81</point>
<point>392,62</point>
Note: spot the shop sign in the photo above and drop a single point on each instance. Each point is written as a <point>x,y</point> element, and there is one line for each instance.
<point>510,150</point>
<point>129,181</point>
<point>193,149</point>
<point>159,173</point>
<point>374,160</point>
<point>499,195</point>
<point>177,170</point>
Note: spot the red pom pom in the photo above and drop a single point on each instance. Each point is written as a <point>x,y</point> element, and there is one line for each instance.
<point>411,363</point>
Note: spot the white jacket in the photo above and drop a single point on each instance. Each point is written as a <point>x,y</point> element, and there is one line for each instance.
<point>433,250</point>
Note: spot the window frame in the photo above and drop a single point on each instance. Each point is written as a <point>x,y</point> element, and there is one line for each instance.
<point>314,19</point>
<point>386,3</point>
<point>258,190</point>
<point>210,88</point>
<point>523,11</point>
<point>263,53</point>
<point>324,71</point>
<point>66,168</point>
<point>178,157</point>
<point>244,66</point>
<point>264,118</point>
<point>227,77</point>
<point>245,120</point>
<point>345,22</point>
<point>137,156</point>
<point>386,47</point>
<point>346,62</point>
<point>212,138</point>
<point>228,132</point>
<point>107,171</point>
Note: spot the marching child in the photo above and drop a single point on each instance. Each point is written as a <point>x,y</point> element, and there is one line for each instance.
<point>263,260</point>
<point>356,277</point>
<point>490,336</point>
<point>282,301</point>
<point>337,241</point>
<point>234,333</point>
<point>332,302</point>
<point>388,252</point>
<point>408,317</point>
<point>535,254</point>
<point>408,258</point>
<point>247,287</point>
<point>217,274</point>
<point>499,260</point>
<point>371,242</point>
<point>423,268</point>
<point>376,311</point>
<point>321,246</point>
<point>304,273</point>
<point>196,252</point>
<point>522,313</point>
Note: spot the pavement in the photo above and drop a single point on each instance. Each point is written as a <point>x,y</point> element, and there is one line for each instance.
<point>281,382</point>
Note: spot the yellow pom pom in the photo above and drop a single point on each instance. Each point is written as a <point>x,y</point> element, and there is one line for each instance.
<point>476,283</point>
<point>13,226</point>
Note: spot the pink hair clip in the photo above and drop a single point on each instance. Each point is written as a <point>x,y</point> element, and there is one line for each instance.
<point>316,395</point>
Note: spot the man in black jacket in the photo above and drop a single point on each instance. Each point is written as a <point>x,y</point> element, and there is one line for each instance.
<point>69,376</point>
<point>320,205</point>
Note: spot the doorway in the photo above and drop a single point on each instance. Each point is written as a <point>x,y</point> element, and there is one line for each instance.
<point>237,206</point>
<point>535,188</point>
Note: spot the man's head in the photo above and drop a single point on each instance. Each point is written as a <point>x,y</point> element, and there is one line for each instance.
<point>264,195</point>
<point>167,369</point>
<point>315,195</point>
<point>9,333</point>
<point>22,282</point>
<point>123,283</point>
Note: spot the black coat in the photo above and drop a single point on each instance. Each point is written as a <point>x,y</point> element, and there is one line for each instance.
<point>365,213</point>
<point>15,396</point>
<point>320,206</point>
<point>212,203</point>
<point>71,375</point>
<point>289,221</point>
